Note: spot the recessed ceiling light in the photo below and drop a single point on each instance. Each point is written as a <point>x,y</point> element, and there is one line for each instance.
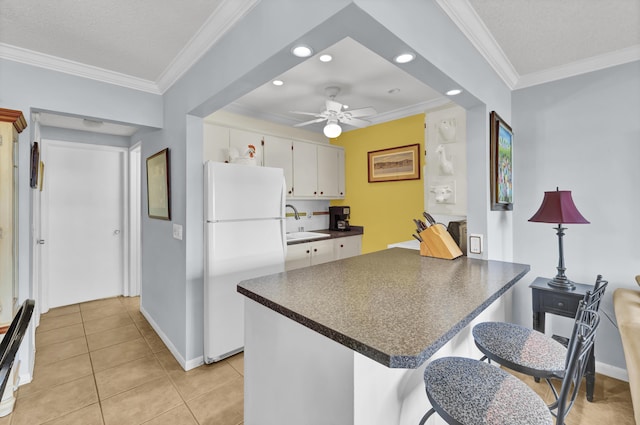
<point>302,51</point>
<point>404,58</point>
<point>277,82</point>
<point>325,58</point>
<point>453,92</point>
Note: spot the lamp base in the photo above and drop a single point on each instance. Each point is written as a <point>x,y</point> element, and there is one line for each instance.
<point>562,283</point>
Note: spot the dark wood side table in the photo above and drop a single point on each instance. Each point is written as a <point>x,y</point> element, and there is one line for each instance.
<point>547,299</point>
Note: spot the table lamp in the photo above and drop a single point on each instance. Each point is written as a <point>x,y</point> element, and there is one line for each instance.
<point>558,207</point>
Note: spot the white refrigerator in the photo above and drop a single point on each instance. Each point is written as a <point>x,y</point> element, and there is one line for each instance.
<point>244,238</point>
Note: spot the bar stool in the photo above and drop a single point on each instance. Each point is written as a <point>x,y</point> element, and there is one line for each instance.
<point>526,350</point>
<point>470,392</point>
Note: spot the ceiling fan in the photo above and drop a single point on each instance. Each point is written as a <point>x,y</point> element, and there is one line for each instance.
<point>334,113</point>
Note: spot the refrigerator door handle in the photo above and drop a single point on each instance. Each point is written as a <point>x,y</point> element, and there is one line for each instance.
<point>283,221</point>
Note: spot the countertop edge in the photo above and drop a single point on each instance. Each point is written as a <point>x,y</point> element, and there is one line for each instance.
<point>333,234</point>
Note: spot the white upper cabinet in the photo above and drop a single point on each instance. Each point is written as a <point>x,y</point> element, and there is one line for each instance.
<point>215,146</point>
<point>305,170</point>
<point>311,170</point>
<point>318,171</point>
<point>328,171</point>
<point>278,153</point>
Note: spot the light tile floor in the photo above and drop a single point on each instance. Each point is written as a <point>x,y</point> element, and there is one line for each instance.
<point>101,363</point>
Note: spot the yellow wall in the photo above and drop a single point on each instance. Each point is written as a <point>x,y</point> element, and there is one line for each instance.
<point>385,209</point>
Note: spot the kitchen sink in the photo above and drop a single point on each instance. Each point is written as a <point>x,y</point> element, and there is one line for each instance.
<point>297,236</point>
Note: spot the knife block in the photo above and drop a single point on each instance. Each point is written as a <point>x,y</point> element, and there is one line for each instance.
<point>438,243</point>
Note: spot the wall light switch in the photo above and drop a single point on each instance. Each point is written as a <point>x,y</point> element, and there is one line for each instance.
<point>475,244</point>
<point>177,231</point>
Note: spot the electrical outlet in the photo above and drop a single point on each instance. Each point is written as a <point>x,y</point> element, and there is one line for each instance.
<point>177,231</point>
<point>475,244</point>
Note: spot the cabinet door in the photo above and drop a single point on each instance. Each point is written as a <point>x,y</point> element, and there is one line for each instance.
<point>328,171</point>
<point>278,153</point>
<point>298,256</point>
<point>341,178</point>
<point>322,252</point>
<point>215,146</point>
<point>241,139</point>
<point>348,247</point>
<point>305,169</point>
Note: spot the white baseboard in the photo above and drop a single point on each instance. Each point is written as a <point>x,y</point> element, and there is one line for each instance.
<point>185,364</point>
<point>612,371</point>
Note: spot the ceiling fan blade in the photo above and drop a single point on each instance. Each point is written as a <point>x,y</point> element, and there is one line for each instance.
<point>361,112</point>
<point>356,122</point>
<point>333,106</point>
<point>309,122</point>
<point>313,114</point>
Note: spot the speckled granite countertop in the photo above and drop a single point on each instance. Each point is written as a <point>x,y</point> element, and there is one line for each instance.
<point>393,306</point>
<point>355,231</point>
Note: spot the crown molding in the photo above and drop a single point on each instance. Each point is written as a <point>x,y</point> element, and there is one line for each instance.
<point>218,23</point>
<point>418,108</point>
<point>595,63</point>
<point>467,20</point>
<point>41,60</point>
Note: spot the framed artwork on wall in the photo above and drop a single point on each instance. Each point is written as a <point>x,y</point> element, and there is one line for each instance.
<point>158,186</point>
<point>394,164</point>
<point>501,149</point>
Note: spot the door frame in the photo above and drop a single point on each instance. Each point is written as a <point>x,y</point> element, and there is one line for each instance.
<point>40,219</point>
<point>135,221</point>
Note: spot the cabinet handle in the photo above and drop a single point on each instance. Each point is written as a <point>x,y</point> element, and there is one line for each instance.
<point>315,193</point>
<point>341,246</point>
<point>321,193</point>
<point>315,249</point>
<point>289,192</point>
<point>308,251</point>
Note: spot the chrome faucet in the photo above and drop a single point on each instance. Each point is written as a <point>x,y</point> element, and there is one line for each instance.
<point>295,211</point>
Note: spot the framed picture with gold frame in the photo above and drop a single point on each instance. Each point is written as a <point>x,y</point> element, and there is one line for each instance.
<point>394,164</point>
<point>158,186</point>
<point>501,154</point>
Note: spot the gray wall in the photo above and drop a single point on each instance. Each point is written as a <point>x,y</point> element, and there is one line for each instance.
<point>26,88</point>
<point>580,134</point>
<point>79,136</point>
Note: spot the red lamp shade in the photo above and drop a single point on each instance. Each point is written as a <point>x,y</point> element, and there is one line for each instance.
<point>558,207</point>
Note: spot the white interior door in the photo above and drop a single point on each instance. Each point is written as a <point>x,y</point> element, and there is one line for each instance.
<point>83,222</point>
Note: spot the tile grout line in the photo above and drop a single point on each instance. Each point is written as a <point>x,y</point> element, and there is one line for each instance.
<point>93,371</point>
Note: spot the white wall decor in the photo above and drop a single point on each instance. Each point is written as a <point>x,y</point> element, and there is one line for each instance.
<point>445,164</point>
<point>445,186</point>
<point>443,193</point>
<point>447,130</point>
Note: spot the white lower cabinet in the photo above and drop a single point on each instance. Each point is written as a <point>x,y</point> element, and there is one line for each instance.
<point>348,247</point>
<point>318,252</point>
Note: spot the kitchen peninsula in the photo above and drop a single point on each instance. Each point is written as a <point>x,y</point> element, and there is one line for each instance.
<point>346,342</point>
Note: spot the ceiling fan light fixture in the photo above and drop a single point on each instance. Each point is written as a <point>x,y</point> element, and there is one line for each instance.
<point>302,51</point>
<point>332,130</point>
<point>453,92</point>
<point>404,58</point>
<point>325,58</point>
<point>277,82</point>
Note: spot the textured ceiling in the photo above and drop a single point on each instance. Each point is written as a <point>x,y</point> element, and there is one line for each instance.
<point>134,37</point>
<point>148,44</point>
<point>541,34</point>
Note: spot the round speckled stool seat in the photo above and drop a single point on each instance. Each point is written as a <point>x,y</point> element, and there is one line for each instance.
<point>522,349</point>
<point>471,392</point>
